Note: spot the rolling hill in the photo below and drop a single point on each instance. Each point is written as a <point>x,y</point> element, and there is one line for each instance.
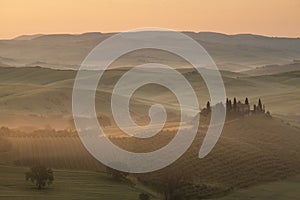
<point>252,149</point>
<point>41,97</point>
<point>231,52</point>
<point>274,69</point>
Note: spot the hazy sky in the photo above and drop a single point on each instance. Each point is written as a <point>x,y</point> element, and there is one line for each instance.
<point>266,17</point>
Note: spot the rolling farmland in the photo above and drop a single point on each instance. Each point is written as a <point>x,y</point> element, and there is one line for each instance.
<point>246,154</point>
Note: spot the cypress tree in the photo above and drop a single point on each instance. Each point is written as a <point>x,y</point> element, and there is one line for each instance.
<point>234,103</point>
<point>246,101</point>
<point>260,105</point>
<point>227,103</point>
<point>208,106</point>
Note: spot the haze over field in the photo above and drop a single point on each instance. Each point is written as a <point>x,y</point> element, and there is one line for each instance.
<point>230,52</point>
<point>37,75</point>
<point>41,97</point>
<point>48,129</point>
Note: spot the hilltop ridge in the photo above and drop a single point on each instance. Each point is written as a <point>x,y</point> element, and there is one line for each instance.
<point>238,52</point>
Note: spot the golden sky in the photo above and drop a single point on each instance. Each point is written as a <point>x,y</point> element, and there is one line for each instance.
<point>266,17</point>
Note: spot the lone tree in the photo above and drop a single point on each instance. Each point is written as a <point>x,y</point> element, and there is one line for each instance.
<point>40,175</point>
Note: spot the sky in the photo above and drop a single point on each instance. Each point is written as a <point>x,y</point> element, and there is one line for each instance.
<point>279,18</point>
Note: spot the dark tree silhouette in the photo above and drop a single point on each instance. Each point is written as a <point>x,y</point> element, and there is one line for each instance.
<point>234,104</point>
<point>254,107</point>
<point>246,101</point>
<point>208,106</point>
<point>230,104</point>
<point>227,103</point>
<point>260,108</point>
<point>40,175</point>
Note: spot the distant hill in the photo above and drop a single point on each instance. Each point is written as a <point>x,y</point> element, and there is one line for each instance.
<point>231,52</point>
<point>27,37</point>
<point>4,65</point>
<point>273,69</point>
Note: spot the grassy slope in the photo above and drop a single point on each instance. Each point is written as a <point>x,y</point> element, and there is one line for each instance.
<point>67,185</point>
<point>47,93</point>
<point>39,84</point>
<point>287,189</point>
<point>251,150</point>
<point>273,69</point>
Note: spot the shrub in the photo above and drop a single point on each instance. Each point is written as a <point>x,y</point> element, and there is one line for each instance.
<point>40,175</point>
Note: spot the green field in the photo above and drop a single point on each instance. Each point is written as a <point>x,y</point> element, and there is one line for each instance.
<point>287,189</point>
<point>251,151</point>
<point>68,185</point>
<point>93,185</point>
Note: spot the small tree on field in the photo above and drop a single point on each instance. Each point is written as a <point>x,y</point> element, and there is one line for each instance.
<point>40,175</point>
